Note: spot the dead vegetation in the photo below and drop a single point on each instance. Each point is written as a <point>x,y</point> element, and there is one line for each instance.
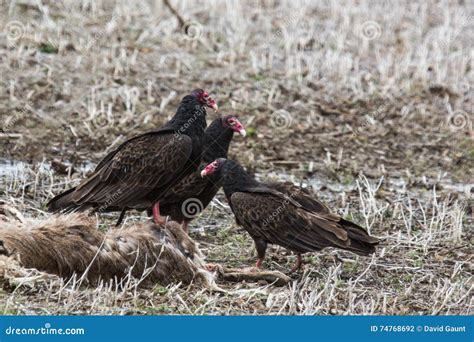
<point>72,246</point>
<point>369,103</point>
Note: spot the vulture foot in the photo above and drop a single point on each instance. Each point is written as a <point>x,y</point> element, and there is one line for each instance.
<point>120,220</point>
<point>212,267</point>
<point>299,263</point>
<point>156,214</point>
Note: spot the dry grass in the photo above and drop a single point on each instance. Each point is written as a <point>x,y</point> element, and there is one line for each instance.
<point>369,103</point>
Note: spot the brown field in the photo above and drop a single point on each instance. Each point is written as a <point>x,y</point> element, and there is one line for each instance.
<point>369,103</point>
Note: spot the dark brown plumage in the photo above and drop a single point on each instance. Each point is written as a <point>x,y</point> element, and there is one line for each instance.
<point>193,193</point>
<point>143,168</point>
<point>305,197</point>
<point>277,213</point>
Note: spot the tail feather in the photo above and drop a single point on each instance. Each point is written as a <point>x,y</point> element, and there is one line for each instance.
<point>63,202</point>
<point>360,241</point>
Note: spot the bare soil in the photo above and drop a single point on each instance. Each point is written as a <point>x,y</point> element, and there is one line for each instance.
<point>371,104</point>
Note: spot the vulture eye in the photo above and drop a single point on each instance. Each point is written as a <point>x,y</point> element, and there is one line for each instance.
<point>215,165</point>
<point>205,95</point>
<point>231,122</point>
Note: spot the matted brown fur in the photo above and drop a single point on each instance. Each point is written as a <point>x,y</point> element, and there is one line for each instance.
<point>69,245</point>
<point>13,276</point>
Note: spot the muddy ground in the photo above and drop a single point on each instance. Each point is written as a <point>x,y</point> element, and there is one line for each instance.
<point>372,107</point>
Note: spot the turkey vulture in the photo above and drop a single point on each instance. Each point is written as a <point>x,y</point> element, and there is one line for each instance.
<point>193,193</point>
<point>143,168</point>
<point>289,216</point>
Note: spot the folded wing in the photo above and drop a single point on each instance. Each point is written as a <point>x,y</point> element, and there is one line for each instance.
<point>126,176</point>
<point>275,218</point>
